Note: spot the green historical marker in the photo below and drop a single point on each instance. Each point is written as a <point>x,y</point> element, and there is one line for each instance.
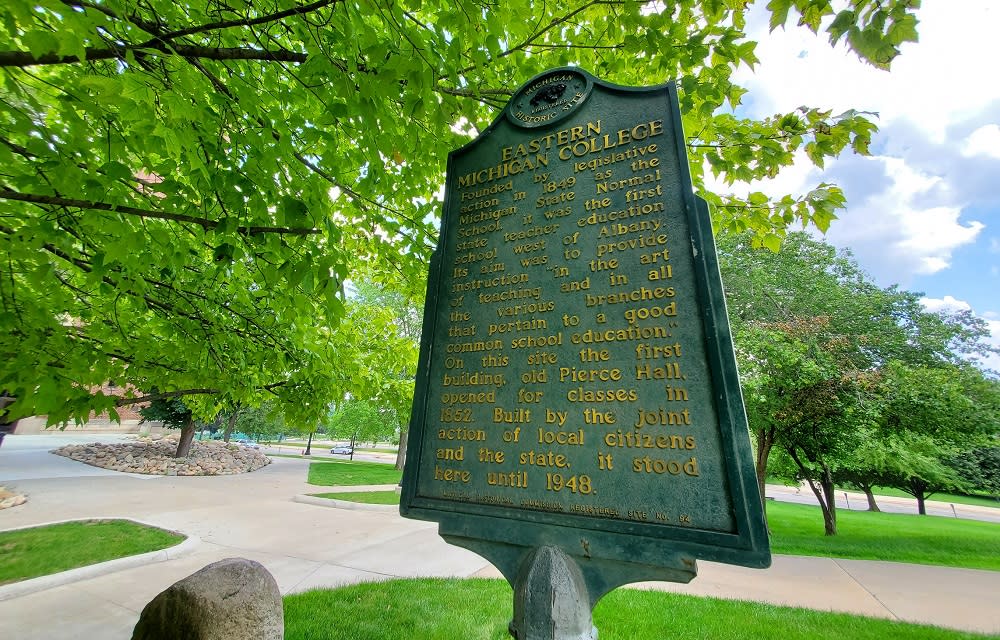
<point>578,418</point>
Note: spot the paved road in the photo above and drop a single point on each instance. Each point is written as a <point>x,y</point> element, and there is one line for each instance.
<point>306,546</point>
<point>28,458</point>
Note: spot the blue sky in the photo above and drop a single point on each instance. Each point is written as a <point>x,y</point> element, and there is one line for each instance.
<point>924,209</point>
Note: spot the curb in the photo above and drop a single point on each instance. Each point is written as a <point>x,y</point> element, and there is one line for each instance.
<point>344,504</point>
<point>42,583</point>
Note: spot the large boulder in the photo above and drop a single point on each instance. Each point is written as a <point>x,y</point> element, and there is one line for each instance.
<point>233,599</point>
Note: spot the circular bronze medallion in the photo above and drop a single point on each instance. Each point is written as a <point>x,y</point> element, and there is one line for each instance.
<point>549,98</point>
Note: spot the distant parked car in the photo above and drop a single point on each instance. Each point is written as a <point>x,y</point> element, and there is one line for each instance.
<point>343,449</point>
<point>248,443</point>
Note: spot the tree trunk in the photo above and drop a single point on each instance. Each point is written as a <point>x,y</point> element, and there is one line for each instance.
<point>187,435</point>
<point>231,424</point>
<point>920,494</point>
<point>918,490</point>
<point>354,443</point>
<point>830,508</point>
<point>309,444</point>
<point>872,506</point>
<point>824,492</point>
<point>401,454</point>
<point>765,442</point>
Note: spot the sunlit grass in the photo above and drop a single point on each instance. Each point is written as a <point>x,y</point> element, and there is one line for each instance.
<point>798,530</point>
<point>346,473</point>
<point>479,609</point>
<point>40,551</point>
<point>366,497</point>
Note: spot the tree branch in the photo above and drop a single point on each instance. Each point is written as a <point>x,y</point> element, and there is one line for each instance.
<point>248,22</point>
<point>122,402</point>
<point>153,47</point>
<point>205,223</point>
<point>485,96</point>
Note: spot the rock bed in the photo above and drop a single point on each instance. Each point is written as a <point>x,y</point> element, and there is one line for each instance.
<point>156,457</point>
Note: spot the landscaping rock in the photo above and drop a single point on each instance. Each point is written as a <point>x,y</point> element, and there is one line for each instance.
<point>233,599</point>
<point>10,499</point>
<point>156,457</point>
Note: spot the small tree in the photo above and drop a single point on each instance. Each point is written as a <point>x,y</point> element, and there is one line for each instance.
<point>230,417</point>
<point>918,467</point>
<point>260,422</point>
<point>397,320</point>
<point>927,415</point>
<point>173,413</point>
<point>357,420</point>
<point>866,467</point>
<point>801,393</point>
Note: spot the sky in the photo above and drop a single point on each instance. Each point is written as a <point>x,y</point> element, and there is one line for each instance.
<point>924,209</point>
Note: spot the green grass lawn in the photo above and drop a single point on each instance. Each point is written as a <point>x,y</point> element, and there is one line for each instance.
<point>479,609</point>
<point>798,530</point>
<point>378,450</point>
<point>367,497</point>
<point>40,551</point>
<point>346,473</point>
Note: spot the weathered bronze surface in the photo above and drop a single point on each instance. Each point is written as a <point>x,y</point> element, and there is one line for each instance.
<point>577,386</point>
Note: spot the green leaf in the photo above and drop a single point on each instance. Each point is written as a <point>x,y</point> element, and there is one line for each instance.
<point>772,242</point>
<point>41,42</point>
<point>294,211</point>
<point>116,170</point>
<point>844,22</point>
<point>224,253</point>
<point>904,30</point>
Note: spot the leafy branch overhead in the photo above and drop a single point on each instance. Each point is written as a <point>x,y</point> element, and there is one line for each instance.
<point>185,188</point>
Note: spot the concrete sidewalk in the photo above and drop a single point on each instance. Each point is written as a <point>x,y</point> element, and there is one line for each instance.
<point>307,546</point>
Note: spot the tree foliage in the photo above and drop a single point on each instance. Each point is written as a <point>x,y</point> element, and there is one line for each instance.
<point>979,469</point>
<point>851,381</point>
<point>360,421</point>
<point>186,187</point>
<point>261,422</point>
<point>924,415</point>
<point>407,322</point>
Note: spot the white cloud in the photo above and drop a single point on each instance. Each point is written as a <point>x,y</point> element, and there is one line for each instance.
<point>947,303</point>
<point>895,231</point>
<point>937,148</point>
<point>983,141</point>
<point>935,82</point>
<point>904,216</point>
